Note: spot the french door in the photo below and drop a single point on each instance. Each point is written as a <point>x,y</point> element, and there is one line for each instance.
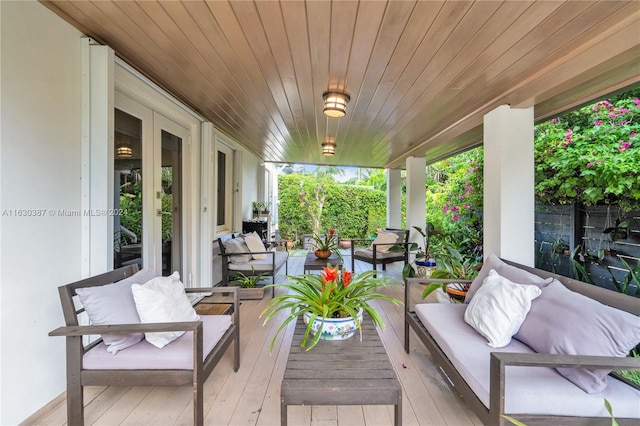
<point>147,188</point>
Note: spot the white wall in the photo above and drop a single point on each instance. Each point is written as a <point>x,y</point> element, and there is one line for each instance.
<point>40,94</point>
<point>250,184</point>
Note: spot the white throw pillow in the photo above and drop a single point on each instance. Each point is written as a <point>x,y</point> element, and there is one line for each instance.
<point>499,308</point>
<point>255,244</point>
<point>163,299</point>
<point>384,238</point>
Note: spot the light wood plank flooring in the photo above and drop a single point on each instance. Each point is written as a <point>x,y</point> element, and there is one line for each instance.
<point>252,395</point>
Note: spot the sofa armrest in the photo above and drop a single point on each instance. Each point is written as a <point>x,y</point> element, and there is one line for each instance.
<point>500,360</point>
<point>423,281</point>
<point>87,330</point>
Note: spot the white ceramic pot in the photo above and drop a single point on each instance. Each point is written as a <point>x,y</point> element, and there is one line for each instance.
<point>334,328</point>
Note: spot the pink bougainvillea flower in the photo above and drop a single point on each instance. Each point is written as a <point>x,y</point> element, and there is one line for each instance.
<point>555,120</point>
<point>624,146</point>
<point>590,164</point>
<point>455,217</point>
<point>632,134</point>
<point>597,123</point>
<point>637,102</point>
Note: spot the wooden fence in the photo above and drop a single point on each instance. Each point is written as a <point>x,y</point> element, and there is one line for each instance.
<point>559,229</point>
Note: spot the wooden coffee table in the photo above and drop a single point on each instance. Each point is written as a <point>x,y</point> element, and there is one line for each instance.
<point>340,372</point>
<point>312,263</point>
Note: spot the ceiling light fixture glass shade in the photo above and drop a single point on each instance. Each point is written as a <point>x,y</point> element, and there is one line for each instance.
<point>124,151</point>
<point>335,104</point>
<point>329,147</point>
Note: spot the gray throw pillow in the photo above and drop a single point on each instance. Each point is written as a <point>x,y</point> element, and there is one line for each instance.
<point>512,273</point>
<point>565,322</point>
<point>114,304</point>
<point>237,245</point>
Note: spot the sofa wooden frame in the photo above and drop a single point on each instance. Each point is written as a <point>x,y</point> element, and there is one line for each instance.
<point>78,377</point>
<point>226,259</point>
<point>500,360</point>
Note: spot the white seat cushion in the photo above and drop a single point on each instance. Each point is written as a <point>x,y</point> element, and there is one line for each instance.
<point>262,264</point>
<point>379,255</point>
<point>534,390</point>
<point>176,355</point>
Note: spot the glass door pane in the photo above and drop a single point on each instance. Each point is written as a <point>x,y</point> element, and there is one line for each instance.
<point>127,226</point>
<point>222,186</point>
<point>171,184</point>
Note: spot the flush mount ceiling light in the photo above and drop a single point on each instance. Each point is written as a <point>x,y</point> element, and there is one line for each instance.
<point>329,147</point>
<point>335,104</point>
<point>124,151</point>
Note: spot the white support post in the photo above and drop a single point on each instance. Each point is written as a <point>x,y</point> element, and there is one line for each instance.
<point>97,157</point>
<point>394,198</point>
<point>509,184</point>
<point>416,196</point>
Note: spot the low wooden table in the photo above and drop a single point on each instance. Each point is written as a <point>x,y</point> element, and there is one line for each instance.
<point>340,372</point>
<point>312,263</point>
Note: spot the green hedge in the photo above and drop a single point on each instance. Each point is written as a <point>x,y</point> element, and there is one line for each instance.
<point>354,211</point>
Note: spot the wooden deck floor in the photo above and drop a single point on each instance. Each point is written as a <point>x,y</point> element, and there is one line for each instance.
<point>252,395</point>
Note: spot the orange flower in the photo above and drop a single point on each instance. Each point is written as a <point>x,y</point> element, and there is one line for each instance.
<point>329,274</point>
<point>332,232</point>
<point>346,277</point>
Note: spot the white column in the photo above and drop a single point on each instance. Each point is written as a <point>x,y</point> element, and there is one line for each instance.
<point>416,196</point>
<point>207,206</point>
<point>509,184</point>
<point>97,182</point>
<point>394,198</point>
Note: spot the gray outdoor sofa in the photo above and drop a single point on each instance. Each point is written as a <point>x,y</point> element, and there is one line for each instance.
<point>516,380</point>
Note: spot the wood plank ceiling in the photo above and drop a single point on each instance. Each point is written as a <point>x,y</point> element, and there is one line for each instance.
<point>421,75</point>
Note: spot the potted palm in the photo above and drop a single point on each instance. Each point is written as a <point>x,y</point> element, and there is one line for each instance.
<point>424,261</point>
<point>250,285</point>
<point>331,303</point>
<point>453,275</point>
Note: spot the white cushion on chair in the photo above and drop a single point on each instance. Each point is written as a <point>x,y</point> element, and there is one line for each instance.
<point>386,238</point>
<point>176,356</point>
<point>255,244</point>
<point>163,299</point>
<point>237,245</point>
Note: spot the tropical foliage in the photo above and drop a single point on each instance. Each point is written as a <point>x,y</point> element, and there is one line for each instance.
<point>592,155</point>
<point>308,201</point>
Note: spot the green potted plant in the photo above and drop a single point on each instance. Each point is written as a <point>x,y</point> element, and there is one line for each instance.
<point>250,285</point>
<point>453,274</point>
<point>424,259</point>
<point>424,262</point>
<point>334,296</point>
<point>326,244</point>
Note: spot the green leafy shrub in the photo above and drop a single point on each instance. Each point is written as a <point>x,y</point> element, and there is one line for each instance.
<point>355,212</point>
<point>591,155</point>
